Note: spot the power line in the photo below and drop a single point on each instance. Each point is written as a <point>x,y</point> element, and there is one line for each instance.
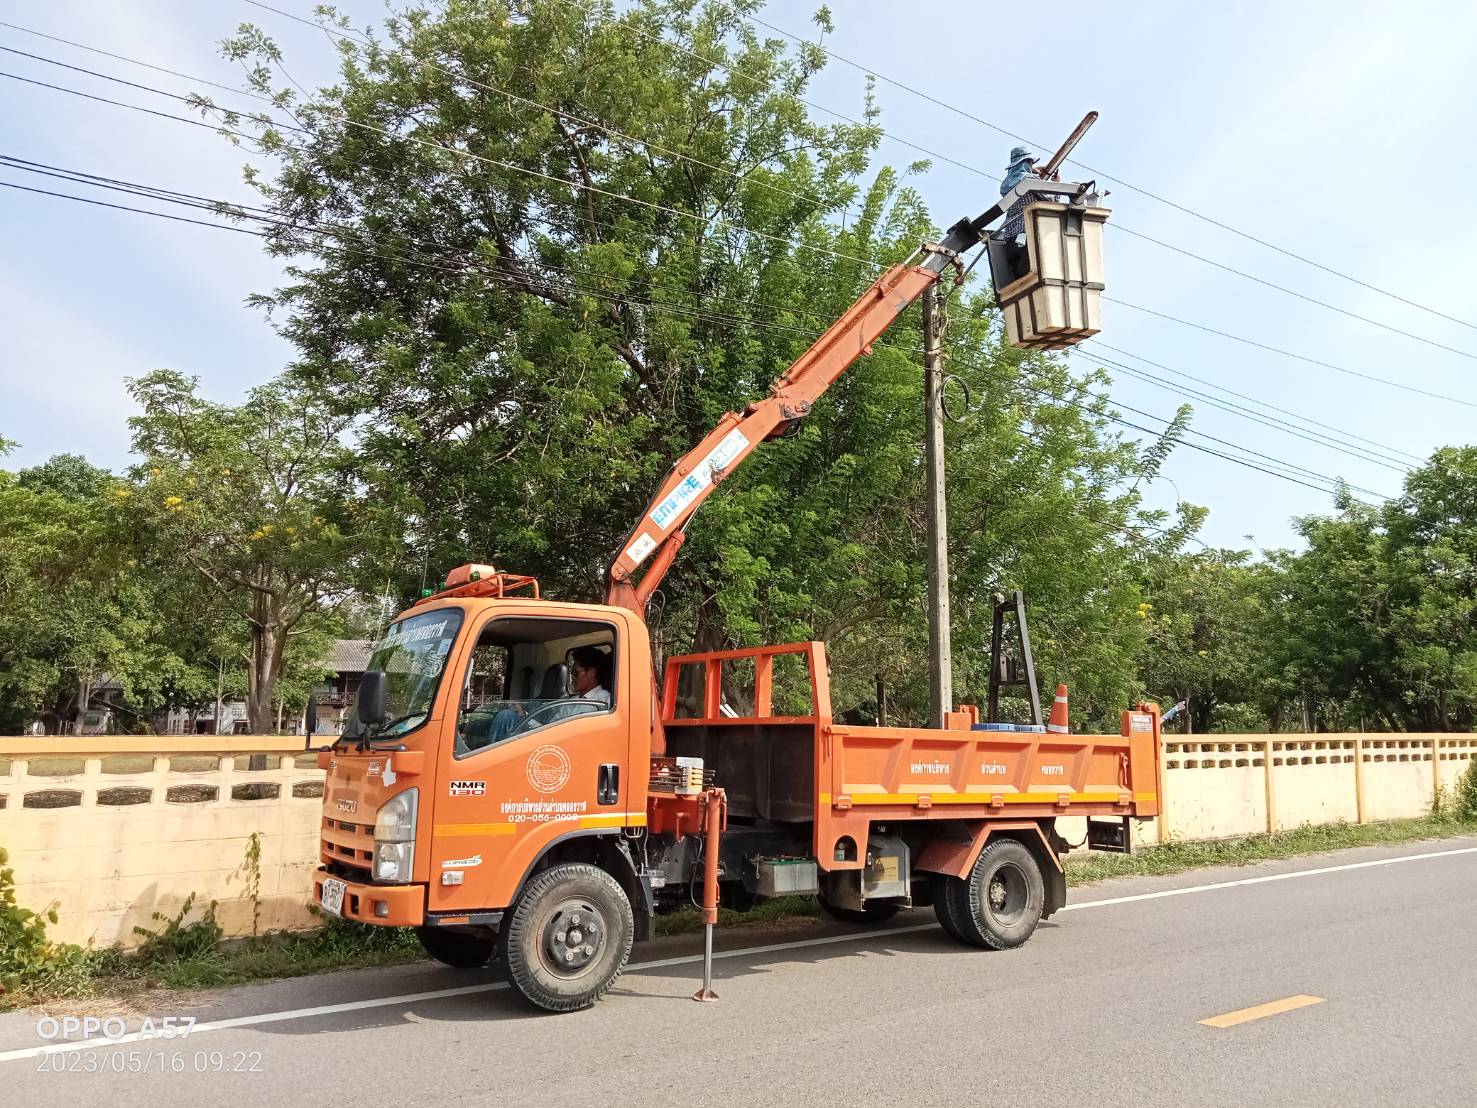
<point>1246,413</point>
<point>1124,303</point>
<point>1116,180</point>
<point>1277,425</point>
<point>760,82</point>
<point>1393,453</point>
<point>1202,327</point>
<point>619,136</point>
<point>1292,354</point>
<point>134,61</point>
<point>126,208</point>
<point>1335,483</point>
<point>466,154</point>
<point>1291,466</point>
<point>116,103</point>
<point>247,212</point>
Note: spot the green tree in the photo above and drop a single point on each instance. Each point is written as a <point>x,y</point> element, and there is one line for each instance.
<point>533,286</point>
<point>78,607</point>
<point>256,501</point>
<point>1205,619</point>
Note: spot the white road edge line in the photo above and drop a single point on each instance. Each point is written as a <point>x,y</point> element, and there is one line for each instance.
<point>1266,878</point>
<point>686,959</point>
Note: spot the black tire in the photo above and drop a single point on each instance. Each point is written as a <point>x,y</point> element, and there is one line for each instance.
<point>555,959</point>
<point>457,949</point>
<point>945,904</point>
<point>876,911</point>
<point>999,904</point>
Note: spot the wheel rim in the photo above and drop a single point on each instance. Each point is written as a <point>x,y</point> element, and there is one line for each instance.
<point>574,937</point>
<point>1005,895</point>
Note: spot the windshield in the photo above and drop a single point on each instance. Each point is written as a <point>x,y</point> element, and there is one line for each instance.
<point>413,655</point>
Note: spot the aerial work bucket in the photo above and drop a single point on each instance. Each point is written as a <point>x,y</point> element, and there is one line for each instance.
<point>1050,289</point>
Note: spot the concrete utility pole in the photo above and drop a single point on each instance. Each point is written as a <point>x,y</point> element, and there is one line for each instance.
<point>940,648</point>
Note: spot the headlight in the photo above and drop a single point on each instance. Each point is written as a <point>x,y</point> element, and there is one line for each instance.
<point>395,822</point>
<point>393,862</point>
<point>394,837</point>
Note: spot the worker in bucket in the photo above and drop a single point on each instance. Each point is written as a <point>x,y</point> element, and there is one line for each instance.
<point>1022,162</point>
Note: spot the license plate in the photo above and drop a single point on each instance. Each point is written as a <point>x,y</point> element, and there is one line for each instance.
<point>333,896</point>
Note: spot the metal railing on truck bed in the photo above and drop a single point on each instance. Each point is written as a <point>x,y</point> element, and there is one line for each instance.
<point>753,722</point>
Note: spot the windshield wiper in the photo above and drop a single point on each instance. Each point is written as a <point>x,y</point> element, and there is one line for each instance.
<point>380,731</point>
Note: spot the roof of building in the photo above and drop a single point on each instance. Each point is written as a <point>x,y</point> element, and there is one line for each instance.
<point>349,655</point>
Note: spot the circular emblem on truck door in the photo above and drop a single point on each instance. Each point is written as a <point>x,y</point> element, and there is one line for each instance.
<point>548,769</point>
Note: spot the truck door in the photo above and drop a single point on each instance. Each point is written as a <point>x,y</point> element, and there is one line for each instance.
<point>540,751</point>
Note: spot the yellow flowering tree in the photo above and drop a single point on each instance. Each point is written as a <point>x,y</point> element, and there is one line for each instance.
<point>260,504</point>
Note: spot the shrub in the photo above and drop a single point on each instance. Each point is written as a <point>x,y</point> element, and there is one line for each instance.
<point>1464,801</point>
<point>31,963</point>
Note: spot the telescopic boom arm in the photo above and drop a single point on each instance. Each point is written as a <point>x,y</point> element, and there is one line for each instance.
<point>661,530</point>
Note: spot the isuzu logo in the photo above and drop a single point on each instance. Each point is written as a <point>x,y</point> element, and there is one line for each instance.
<point>348,805</point>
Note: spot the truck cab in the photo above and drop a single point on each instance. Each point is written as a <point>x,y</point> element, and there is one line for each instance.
<point>482,762</point>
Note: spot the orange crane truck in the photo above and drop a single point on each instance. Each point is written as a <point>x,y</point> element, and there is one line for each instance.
<point>515,781</point>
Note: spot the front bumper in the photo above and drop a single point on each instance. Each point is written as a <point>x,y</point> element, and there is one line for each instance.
<point>405,905</point>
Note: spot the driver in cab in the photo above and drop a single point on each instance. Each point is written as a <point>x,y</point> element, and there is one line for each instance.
<point>589,674</point>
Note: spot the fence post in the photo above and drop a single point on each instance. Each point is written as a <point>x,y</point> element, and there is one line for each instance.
<point>1271,790</point>
<point>1161,825</point>
<point>1435,771</point>
<point>1359,776</point>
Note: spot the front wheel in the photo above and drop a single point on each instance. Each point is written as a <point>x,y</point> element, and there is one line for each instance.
<point>456,949</point>
<point>999,904</point>
<point>568,937</point>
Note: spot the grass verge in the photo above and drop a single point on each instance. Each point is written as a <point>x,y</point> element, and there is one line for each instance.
<point>1176,857</point>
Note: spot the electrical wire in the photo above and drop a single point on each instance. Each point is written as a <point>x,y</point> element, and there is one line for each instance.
<point>707,221</point>
<point>126,208</point>
<point>1244,413</point>
<point>571,287</point>
<point>619,136</point>
<point>1291,354</point>
<point>1098,173</point>
<point>1187,323</point>
<point>1393,453</point>
<point>134,61</point>
<point>1332,485</point>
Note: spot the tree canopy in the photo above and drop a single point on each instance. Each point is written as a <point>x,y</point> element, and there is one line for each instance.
<point>534,250</point>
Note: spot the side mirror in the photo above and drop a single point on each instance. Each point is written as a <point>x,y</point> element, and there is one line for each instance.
<point>310,722</point>
<point>370,707</point>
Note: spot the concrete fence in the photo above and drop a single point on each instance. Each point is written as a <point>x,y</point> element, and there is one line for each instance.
<point>1216,786</point>
<point>114,830</point>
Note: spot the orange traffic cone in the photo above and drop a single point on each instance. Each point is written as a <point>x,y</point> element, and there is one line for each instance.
<point>1058,724</point>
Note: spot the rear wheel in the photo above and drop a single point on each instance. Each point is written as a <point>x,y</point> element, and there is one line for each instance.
<point>875,911</point>
<point>458,949</point>
<point>568,937</point>
<point>999,904</point>
<point>945,904</point>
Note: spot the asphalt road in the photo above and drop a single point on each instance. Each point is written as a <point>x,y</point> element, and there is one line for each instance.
<point>1103,1004</point>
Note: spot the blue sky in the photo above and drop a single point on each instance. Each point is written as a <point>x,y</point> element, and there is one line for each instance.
<point>1299,123</point>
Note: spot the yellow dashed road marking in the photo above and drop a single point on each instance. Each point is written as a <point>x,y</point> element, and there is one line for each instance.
<point>1261,1011</point>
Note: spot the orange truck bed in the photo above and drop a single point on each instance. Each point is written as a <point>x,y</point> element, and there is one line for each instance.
<point>862,775</point>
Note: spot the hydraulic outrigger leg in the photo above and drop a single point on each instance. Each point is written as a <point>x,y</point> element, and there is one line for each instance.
<point>715,810</point>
